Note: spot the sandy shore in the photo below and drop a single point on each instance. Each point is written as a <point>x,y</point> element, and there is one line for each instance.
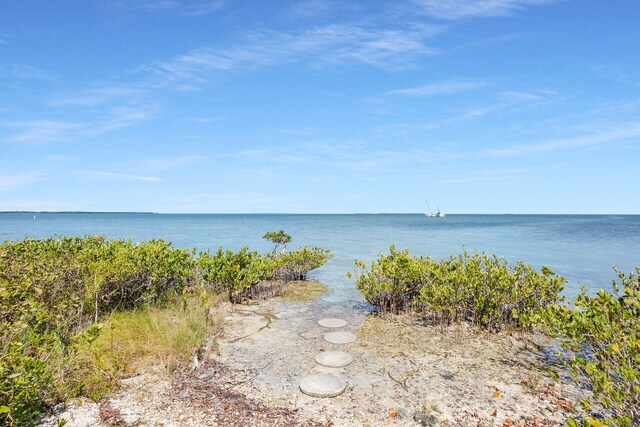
<point>402,375</point>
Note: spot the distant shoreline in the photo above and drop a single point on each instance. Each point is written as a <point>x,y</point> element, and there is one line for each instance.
<point>74,212</point>
<point>297,213</point>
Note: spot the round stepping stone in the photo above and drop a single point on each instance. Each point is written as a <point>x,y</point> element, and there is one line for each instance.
<point>332,322</point>
<point>340,337</point>
<point>333,359</point>
<point>322,385</point>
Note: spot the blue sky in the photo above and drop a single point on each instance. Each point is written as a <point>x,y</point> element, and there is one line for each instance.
<point>320,106</point>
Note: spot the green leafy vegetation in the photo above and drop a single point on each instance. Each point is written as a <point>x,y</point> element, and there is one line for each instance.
<point>478,288</point>
<point>601,332</point>
<point>295,265</point>
<point>233,273</point>
<point>279,239</point>
<point>603,335</point>
<point>78,312</point>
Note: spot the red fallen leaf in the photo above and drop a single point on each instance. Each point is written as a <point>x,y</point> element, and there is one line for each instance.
<point>506,423</point>
<point>393,414</point>
<point>458,419</point>
<point>565,403</point>
<point>494,413</point>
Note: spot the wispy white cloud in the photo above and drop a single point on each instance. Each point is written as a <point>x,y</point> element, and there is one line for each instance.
<point>332,44</point>
<point>621,133</point>
<point>115,176</point>
<point>507,102</point>
<point>616,74</point>
<point>460,9</point>
<point>38,131</point>
<point>488,41</point>
<point>199,9</point>
<point>515,96</point>
<point>186,8</point>
<point>351,156</point>
<point>441,88</point>
<point>26,72</point>
<point>167,163</point>
<point>121,117</point>
<point>203,120</point>
<point>494,175</point>
<point>48,131</point>
<point>96,96</point>
<point>312,9</point>
<point>10,181</point>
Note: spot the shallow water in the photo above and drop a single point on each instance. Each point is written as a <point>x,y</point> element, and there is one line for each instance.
<point>582,248</point>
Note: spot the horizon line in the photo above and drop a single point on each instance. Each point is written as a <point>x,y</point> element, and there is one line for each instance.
<point>286,213</point>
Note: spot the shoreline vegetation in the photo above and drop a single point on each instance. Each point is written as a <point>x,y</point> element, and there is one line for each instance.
<point>79,314</point>
<point>600,336</point>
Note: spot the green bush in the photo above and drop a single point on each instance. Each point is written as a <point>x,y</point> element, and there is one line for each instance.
<point>603,333</point>
<point>53,293</point>
<point>295,265</point>
<point>23,379</point>
<point>392,282</point>
<point>233,273</point>
<point>74,279</point>
<point>478,288</point>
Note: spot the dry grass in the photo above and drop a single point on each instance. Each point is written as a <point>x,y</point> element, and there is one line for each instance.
<point>156,338</point>
<point>304,290</point>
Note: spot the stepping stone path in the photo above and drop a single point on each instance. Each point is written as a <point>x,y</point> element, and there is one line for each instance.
<point>322,385</point>
<point>334,359</point>
<point>340,337</point>
<point>332,322</point>
<point>327,385</point>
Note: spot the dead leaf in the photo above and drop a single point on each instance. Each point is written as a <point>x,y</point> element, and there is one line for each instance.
<point>494,413</point>
<point>393,414</point>
<point>496,393</point>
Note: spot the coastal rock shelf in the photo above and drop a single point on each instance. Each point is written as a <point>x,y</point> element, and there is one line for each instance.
<point>333,359</point>
<point>332,322</point>
<point>340,337</point>
<point>322,385</point>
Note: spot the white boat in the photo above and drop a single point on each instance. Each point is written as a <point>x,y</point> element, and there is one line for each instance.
<point>436,214</point>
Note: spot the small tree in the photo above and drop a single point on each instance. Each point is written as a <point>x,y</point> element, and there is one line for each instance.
<point>280,239</point>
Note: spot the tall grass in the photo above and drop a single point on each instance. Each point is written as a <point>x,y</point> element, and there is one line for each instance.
<point>158,338</point>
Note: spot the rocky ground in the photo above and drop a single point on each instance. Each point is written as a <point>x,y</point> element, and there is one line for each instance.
<point>403,374</point>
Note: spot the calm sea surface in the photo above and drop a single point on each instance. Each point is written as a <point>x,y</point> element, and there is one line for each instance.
<point>582,248</point>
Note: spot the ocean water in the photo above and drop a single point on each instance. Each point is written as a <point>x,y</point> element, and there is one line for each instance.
<point>582,248</point>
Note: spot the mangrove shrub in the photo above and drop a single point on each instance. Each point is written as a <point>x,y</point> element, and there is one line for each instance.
<point>603,334</point>
<point>482,289</point>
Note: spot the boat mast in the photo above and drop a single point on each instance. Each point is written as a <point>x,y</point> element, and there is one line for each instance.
<point>430,211</point>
